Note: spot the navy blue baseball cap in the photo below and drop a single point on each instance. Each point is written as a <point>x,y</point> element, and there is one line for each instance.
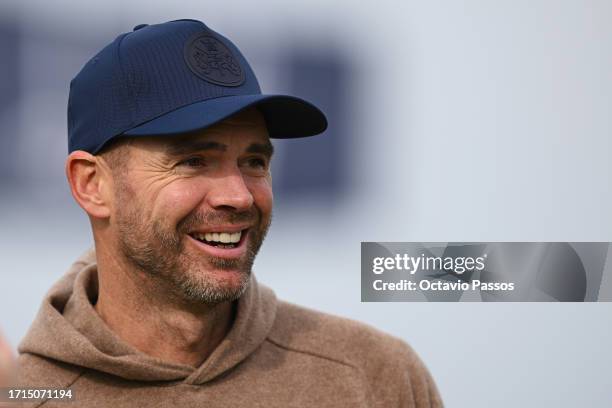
<point>172,78</point>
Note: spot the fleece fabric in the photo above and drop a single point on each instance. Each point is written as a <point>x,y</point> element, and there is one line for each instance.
<point>275,355</point>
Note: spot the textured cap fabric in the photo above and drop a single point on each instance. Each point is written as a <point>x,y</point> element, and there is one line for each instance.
<point>173,78</point>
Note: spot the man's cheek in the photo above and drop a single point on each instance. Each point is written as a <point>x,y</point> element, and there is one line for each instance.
<point>180,196</point>
<point>262,194</point>
<point>265,204</point>
<point>177,205</point>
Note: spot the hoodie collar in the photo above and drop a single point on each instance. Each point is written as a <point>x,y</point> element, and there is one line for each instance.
<point>68,329</point>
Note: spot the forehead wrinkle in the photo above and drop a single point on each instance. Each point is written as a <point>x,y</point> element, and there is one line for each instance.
<point>213,138</point>
<point>193,145</point>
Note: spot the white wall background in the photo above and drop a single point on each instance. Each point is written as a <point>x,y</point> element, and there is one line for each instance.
<point>474,121</point>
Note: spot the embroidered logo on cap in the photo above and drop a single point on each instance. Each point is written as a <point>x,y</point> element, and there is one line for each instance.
<point>211,60</point>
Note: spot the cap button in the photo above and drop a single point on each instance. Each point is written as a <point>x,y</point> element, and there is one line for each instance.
<point>139,26</point>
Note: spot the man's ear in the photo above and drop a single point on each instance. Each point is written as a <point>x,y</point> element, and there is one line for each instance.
<point>89,183</point>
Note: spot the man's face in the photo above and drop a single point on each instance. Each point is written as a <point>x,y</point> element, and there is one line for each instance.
<point>191,211</point>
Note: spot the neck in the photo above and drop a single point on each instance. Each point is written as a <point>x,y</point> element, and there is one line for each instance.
<point>135,310</point>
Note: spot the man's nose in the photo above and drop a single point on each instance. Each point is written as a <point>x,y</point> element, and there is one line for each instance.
<point>230,192</point>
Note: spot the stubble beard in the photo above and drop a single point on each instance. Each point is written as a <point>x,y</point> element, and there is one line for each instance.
<point>159,252</point>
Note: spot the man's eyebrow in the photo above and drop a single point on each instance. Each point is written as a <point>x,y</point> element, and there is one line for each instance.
<point>263,148</point>
<point>191,146</point>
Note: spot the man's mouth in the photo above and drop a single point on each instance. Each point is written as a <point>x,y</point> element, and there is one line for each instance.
<point>225,240</point>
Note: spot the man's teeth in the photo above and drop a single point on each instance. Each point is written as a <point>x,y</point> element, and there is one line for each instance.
<point>222,237</point>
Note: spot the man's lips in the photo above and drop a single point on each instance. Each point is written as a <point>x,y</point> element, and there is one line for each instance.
<point>227,242</point>
<point>221,228</point>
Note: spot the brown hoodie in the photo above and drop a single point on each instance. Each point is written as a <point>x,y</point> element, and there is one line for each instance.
<point>275,355</point>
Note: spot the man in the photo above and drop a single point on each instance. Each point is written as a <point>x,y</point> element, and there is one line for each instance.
<point>169,139</point>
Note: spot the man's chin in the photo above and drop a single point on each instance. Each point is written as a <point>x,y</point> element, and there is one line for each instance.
<point>215,285</point>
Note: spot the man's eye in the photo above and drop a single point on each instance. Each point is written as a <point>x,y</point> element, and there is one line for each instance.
<point>193,162</point>
<point>257,163</point>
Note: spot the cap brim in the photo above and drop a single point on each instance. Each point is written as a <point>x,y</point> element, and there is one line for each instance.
<point>286,116</point>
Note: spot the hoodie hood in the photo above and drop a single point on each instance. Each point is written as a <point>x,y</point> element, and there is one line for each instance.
<point>67,329</point>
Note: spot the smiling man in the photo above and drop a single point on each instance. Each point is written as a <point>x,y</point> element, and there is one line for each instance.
<point>190,214</point>
<point>169,140</point>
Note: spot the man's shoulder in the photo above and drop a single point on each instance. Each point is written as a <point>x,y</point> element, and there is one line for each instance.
<point>387,365</point>
<point>336,338</point>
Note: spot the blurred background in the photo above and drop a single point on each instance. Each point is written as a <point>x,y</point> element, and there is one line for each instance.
<point>449,121</point>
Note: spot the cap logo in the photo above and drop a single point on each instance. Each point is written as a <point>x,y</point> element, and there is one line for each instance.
<point>211,60</point>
